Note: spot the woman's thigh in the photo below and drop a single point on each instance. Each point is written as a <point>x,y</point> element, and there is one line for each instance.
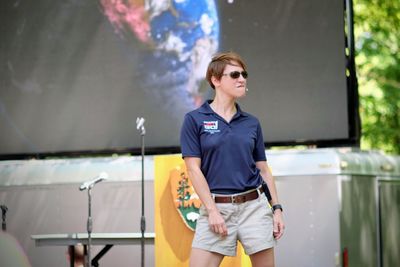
<point>204,258</point>
<point>264,258</point>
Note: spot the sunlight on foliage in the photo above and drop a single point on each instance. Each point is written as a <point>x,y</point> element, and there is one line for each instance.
<point>377,34</point>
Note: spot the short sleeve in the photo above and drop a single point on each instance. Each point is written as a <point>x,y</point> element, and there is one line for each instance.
<point>190,140</point>
<point>259,149</point>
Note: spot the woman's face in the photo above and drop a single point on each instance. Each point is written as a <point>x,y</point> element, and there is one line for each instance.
<point>232,82</point>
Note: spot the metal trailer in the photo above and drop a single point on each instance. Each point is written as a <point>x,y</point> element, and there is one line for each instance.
<point>341,206</point>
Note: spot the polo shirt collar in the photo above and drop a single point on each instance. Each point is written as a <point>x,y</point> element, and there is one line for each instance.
<point>206,109</point>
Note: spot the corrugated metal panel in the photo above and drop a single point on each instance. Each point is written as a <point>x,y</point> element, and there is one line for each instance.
<point>65,171</point>
<point>332,161</point>
<point>125,168</point>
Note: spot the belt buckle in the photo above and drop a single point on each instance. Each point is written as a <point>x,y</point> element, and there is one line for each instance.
<point>233,199</point>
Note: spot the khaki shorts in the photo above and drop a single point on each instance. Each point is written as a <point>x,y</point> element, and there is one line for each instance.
<point>250,222</point>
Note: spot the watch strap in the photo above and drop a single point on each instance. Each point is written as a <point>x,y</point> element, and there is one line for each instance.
<point>277,207</point>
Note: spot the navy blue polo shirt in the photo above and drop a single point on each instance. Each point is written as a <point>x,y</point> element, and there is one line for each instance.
<point>228,151</point>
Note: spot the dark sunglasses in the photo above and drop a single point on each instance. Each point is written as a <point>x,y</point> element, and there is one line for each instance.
<point>236,74</point>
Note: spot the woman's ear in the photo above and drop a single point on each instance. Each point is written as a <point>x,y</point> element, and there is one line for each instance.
<point>215,81</point>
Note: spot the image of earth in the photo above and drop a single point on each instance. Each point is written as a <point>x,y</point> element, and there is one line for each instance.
<point>179,39</point>
<point>82,71</point>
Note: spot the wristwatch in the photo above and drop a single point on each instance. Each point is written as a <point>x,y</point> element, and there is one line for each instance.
<point>277,207</point>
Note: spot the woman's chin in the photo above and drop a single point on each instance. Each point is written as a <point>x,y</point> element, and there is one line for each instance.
<point>241,93</point>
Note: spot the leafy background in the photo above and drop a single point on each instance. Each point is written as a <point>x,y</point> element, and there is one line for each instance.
<point>377,40</point>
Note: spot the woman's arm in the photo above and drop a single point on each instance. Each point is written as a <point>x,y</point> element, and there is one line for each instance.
<point>269,179</point>
<point>215,220</point>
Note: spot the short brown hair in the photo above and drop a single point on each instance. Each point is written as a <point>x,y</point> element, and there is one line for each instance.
<point>218,63</point>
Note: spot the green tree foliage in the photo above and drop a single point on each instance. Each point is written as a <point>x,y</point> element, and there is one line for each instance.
<point>377,34</point>
<point>183,190</point>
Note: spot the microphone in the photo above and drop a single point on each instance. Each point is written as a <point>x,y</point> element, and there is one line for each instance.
<point>89,184</point>
<point>4,209</point>
<point>139,123</point>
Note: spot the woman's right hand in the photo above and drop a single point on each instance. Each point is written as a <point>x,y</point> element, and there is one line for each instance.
<point>215,219</point>
<point>217,223</point>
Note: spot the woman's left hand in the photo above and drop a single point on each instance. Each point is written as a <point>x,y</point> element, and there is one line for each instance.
<point>279,226</point>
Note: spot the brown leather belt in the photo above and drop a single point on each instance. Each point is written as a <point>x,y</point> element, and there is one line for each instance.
<point>239,198</point>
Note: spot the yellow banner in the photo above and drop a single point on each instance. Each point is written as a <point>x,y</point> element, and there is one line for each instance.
<point>174,197</point>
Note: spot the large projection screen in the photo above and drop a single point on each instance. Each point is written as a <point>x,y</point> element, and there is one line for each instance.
<point>76,74</point>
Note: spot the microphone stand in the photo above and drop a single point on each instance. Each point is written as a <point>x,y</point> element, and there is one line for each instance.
<point>89,226</point>
<point>3,216</point>
<point>140,126</point>
<point>89,185</point>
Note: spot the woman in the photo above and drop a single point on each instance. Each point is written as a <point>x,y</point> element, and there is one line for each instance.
<point>224,153</point>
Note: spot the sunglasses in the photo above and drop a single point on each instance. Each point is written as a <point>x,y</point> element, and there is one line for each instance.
<point>236,74</point>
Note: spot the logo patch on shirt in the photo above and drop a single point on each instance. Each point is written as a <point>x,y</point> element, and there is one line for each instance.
<point>211,126</point>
